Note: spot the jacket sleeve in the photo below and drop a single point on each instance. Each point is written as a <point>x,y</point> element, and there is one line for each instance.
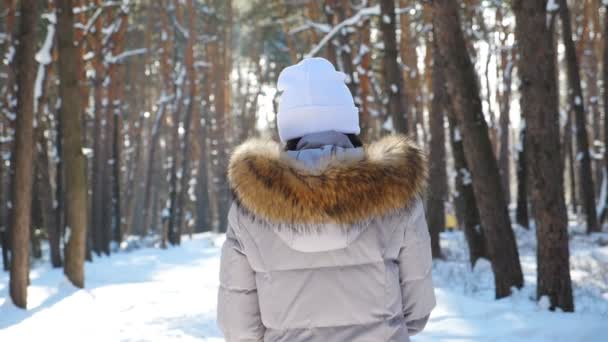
<point>238,310</point>
<point>415,266</point>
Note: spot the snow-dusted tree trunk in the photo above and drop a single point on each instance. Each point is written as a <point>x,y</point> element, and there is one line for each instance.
<point>438,186</point>
<point>176,12</point>
<point>521,212</point>
<point>411,75</point>
<point>43,183</point>
<point>191,108</point>
<point>166,47</point>
<point>363,65</point>
<point>6,104</point>
<point>605,93</point>
<point>343,49</point>
<point>73,157</point>
<point>392,74</point>
<point>22,178</point>
<point>540,108</point>
<point>588,46</point>
<point>464,95</point>
<point>464,199</point>
<point>464,196</point>
<point>221,120</point>
<point>575,93</point>
<point>114,114</point>
<point>100,145</point>
<point>505,70</point>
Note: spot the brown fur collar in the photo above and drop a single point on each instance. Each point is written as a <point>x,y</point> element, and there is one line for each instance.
<point>272,186</point>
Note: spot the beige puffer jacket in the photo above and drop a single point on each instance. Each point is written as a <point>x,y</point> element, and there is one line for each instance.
<point>328,243</point>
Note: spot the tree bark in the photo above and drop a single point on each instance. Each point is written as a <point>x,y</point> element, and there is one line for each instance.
<point>116,74</point>
<point>174,185</point>
<point>99,164</point>
<point>47,210</point>
<point>71,120</point>
<point>437,169</point>
<point>605,89</point>
<point>540,108</point>
<point>22,179</point>
<point>391,71</point>
<point>575,92</point>
<point>10,7</point>
<point>464,198</point>
<point>220,124</point>
<point>505,68</point>
<point>464,94</point>
<point>411,75</point>
<point>521,213</point>
<point>191,107</point>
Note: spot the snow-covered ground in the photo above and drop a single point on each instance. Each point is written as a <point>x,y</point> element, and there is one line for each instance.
<point>167,295</point>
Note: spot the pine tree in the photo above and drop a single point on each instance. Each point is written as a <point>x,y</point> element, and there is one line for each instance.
<point>22,177</point>
<point>464,95</point>
<point>540,108</point>
<point>73,157</point>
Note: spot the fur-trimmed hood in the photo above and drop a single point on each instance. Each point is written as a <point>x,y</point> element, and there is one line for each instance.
<point>273,186</point>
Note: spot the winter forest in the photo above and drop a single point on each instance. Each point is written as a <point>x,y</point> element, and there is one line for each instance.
<point>118,118</point>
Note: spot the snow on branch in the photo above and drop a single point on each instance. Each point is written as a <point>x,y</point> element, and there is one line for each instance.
<point>92,21</point>
<point>180,28</point>
<point>110,30</point>
<point>553,6</point>
<point>362,14</point>
<point>110,59</point>
<point>107,4</point>
<point>202,64</point>
<point>44,56</point>
<point>311,24</point>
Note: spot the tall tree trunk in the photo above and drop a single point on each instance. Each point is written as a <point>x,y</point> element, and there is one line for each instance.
<point>605,90</point>
<point>521,213</point>
<point>174,210</point>
<point>505,69</point>
<point>411,77</point>
<point>540,105</point>
<point>149,214</point>
<point>203,215</point>
<point>341,10</point>
<point>59,179</point>
<point>43,183</point>
<point>437,170</point>
<point>220,126</point>
<point>365,117</point>
<point>588,52</point>
<point>575,92</point>
<point>191,105</point>
<point>569,157</point>
<point>464,94</point>
<point>393,83</point>
<point>464,198</point>
<point>116,74</point>
<point>204,220</point>
<point>7,102</point>
<point>22,179</point>
<point>331,49</point>
<point>46,197</point>
<point>99,164</point>
<point>71,120</point>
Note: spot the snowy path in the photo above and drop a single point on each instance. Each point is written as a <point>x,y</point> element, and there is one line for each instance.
<point>145,295</point>
<point>154,295</point>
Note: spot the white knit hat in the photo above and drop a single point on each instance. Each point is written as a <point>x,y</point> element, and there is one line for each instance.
<point>315,99</point>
